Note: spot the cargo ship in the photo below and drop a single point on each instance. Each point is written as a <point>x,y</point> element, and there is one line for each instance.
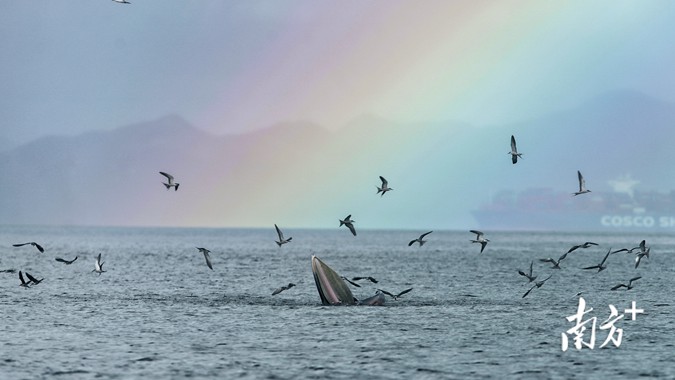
<point>622,209</point>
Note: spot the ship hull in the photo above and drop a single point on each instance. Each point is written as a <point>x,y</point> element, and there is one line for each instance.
<point>573,221</point>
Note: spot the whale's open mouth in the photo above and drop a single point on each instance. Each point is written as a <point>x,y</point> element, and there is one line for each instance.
<point>332,288</point>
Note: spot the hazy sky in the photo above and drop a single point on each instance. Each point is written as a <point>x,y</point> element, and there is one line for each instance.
<point>240,65</point>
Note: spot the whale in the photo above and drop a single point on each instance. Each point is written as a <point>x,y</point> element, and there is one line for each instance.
<point>334,291</point>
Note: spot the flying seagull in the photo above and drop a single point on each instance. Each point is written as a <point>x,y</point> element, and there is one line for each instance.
<point>514,151</point>
<point>281,241</point>
<point>601,266</point>
<point>349,222</point>
<point>640,255</point>
<point>171,183</point>
<point>630,284</point>
<point>281,289</point>
<point>385,187</point>
<point>206,256</point>
<point>529,275</point>
<point>537,284</point>
<point>32,279</point>
<point>420,239</point>
<point>121,1</point>
<point>582,185</point>
<point>34,244</point>
<point>585,245</point>
<point>556,263</point>
<point>66,261</point>
<point>98,265</point>
<point>23,282</point>
<point>394,296</point>
<point>480,239</point>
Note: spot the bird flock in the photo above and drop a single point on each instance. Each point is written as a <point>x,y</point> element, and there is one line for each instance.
<point>641,251</point>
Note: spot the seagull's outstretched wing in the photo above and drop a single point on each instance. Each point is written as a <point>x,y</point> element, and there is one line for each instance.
<point>351,282</point>
<point>32,279</point>
<point>386,292</point>
<point>34,244</point>
<point>207,257</point>
<point>167,175</point>
<point>278,290</point>
<point>374,281</point>
<point>21,278</point>
<point>479,234</point>
<point>575,247</point>
<point>528,291</point>
<point>582,181</point>
<point>606,256</point>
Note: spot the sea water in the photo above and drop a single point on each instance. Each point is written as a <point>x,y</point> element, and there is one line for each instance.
<point>159,312</point>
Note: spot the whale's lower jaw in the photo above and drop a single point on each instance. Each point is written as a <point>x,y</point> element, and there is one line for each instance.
<point>332,289</point>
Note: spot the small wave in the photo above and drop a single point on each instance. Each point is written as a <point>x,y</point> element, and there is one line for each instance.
<point>73,372</point>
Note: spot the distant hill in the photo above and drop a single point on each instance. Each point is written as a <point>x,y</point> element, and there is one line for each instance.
<point>300,174</point>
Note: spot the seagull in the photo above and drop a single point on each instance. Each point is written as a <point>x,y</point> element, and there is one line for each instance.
<point>630,284</point>
<point>528,275</point>
<point>34,244</point>
<point>556,264</point>
<point>374,281</point>
<point>394,296</point>
<point>23,282</point>
<point>171,183</point>
<point>66,261</point>
<point>122,1</point>
<point>582,185</point>
<point>349,222</point>
<point>514,151</point>
<point>600,266</point>
<point>585,245</point>
<point>480,239</point>
<point>640,255</point>
<point>99,265</point>
<point>206,256</point>
<point>537,284</point>
<point>32,279</point>
<point>420,239</point>
<point>281,241</point>
<point>281,289</point>
<point>385,186</point>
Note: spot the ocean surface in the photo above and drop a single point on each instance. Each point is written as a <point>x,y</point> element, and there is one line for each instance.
<point>160,313</point>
